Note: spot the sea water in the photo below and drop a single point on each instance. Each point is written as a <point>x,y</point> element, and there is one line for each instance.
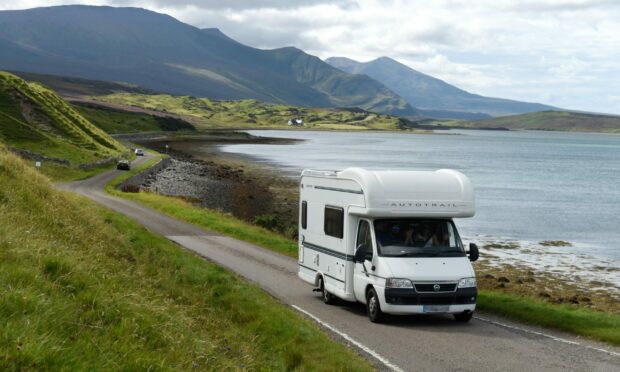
<point>530,186</point>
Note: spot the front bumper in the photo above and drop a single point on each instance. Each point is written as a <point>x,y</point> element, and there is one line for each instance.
<point>408,301</point>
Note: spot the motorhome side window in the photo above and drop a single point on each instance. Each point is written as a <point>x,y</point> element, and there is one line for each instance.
<point>304,214</point>
<point>364,239</point>
<point>334,222</point>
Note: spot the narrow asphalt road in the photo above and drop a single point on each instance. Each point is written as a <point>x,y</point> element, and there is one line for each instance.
<point>420,343</point>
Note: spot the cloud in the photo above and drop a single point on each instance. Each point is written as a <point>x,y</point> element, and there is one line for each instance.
<point>560,52</point>
<point>240,4</point>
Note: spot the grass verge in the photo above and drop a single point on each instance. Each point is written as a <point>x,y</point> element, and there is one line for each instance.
<point>86,288</point>
<point>212,220</point>
<point>588,323</point>
<point>215,221</point>
<point>61,173</point>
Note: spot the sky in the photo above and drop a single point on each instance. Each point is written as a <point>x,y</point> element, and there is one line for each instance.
<point>565,53</point>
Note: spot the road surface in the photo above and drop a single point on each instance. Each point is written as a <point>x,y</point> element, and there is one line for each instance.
<point>420,343</point>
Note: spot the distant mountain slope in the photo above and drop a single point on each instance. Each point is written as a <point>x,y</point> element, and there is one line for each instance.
<point>69,87</point>
<point>428,93</point>
<point>551,120</point>
<point>158,52</point>
<point>35,119</point>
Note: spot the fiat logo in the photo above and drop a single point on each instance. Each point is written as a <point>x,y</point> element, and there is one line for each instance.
<point>436,287</point>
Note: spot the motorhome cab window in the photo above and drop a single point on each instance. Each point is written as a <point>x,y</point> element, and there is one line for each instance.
<point>304,214</point>
<point>334,222</point>
<point>417,238</point>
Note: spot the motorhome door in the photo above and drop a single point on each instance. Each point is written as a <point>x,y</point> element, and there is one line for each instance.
<point>362,275</point>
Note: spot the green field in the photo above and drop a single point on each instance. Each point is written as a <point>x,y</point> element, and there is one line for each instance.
<point>116,122</point>
<point>85,288</point>
<point>254,114</point>
<point>548,120</point>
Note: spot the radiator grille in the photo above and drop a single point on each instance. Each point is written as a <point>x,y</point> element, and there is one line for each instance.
<point>430,287</point>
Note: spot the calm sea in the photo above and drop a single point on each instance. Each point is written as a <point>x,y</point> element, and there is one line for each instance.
<point>530,186</point>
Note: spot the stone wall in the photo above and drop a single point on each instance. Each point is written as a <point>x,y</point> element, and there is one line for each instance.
<point>139,179</point>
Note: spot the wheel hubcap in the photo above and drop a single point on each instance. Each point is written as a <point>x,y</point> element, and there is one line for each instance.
<point>373,304</point>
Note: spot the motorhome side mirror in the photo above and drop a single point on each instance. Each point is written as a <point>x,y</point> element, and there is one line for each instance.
<point>360,253</point>
<point>473,252</point>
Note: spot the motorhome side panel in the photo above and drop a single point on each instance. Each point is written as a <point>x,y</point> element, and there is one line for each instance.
<point>325,246</point>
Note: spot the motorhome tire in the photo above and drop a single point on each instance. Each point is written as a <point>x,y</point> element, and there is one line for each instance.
<point>327,297</point>
<point>373,306</point>
<point>464,317</point>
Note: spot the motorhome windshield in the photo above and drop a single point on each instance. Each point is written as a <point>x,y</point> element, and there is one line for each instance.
<point>417,238</point>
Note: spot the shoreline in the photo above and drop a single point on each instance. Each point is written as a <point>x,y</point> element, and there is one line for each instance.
<point>264,194</point>
<point>238,185</point>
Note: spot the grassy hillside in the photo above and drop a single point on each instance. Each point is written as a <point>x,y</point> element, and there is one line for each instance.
<point>254,114</point>
<point>35,119</point>
<point>551,120</point>
<point>84,288</point>
<point>116,121</point>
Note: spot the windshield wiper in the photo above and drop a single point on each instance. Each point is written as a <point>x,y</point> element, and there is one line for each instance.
<point>415,254</point>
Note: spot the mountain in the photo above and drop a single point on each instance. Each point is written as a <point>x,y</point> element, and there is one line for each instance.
<point>34,121</point>
<point>158,52</point>
<point>428,93</point>
<point>551,120</point>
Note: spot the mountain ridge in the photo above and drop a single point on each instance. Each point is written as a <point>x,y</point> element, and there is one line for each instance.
<point>158,52</point>
<point>428,93</point>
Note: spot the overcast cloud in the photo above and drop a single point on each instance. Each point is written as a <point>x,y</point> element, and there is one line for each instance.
<point>560,52</point>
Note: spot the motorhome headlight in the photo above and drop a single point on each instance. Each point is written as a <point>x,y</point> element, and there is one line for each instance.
<point>398,283</point>
<point>467,283</point>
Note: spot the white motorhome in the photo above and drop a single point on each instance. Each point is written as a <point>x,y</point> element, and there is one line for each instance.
<point>387,239</point>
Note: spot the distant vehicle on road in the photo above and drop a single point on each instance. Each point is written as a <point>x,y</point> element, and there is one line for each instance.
<point>387,239</point>
<point>139,152</point>
<point>123,165</point>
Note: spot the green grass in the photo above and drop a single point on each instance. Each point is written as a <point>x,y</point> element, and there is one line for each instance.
<point>254,114</point>
<point>592,324</point>
<point>85,288</point>
<point>548,120</point>
<point>60,173</point>
<point>116,121</point>
<point>570,318</point>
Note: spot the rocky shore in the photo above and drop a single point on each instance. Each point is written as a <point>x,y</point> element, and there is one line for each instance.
<point>199,173</point>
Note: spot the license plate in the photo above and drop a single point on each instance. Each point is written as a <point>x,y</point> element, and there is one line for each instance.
<point>435,308</point>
